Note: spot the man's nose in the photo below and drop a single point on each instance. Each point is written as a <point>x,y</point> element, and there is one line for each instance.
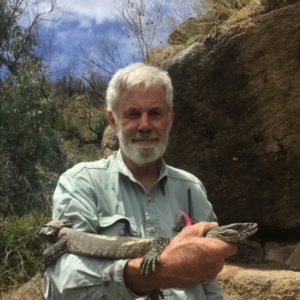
<point>145,124</point>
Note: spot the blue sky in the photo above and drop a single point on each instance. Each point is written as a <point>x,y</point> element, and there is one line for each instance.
<point>80,21</point>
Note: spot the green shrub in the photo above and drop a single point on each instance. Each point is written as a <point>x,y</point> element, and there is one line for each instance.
<point>20,249</point>
<point>27,126</point>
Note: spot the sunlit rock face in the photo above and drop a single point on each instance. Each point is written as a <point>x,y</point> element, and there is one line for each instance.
<point>237,119</point>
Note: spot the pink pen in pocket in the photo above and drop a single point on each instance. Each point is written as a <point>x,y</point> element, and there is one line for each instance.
<point>187,219</point>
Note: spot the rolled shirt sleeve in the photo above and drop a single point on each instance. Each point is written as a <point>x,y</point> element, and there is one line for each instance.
<point>76,277</point>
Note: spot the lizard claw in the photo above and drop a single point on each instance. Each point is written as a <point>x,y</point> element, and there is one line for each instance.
<point>152,257</point>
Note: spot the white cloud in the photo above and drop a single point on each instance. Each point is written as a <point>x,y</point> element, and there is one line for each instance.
<point>97,10</point>
<point>79,21</point>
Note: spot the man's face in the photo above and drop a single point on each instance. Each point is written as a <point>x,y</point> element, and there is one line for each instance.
<point>143,123</point>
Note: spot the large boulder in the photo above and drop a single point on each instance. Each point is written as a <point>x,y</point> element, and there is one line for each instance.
<point>237,119</point>
<point>259,284</point>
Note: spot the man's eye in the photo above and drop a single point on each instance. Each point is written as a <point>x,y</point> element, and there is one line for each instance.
<point>155,113</point>
<point>133,114</point>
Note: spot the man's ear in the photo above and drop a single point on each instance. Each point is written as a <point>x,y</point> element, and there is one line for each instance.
<point>171,119</point>
<point>111,120</point>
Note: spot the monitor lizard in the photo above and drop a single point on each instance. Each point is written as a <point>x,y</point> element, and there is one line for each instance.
<point>67,239</point>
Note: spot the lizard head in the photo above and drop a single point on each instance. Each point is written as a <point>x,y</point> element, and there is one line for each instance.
<point>49,231</point>
<point>233,233</point>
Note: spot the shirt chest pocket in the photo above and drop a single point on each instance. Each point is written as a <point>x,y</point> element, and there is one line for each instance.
<point>118,226</point>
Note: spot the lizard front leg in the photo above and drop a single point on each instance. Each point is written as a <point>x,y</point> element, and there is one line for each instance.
<point>152,257</point>
<point>58,249</point>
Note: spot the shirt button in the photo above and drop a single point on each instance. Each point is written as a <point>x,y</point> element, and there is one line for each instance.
<point>122,232</point>
<point>149,199</point>
<point>120,298</point>
<point>153,229</point>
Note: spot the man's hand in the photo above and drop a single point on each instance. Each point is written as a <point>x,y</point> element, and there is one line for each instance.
<point>189,259</point>
<point>194,259</point>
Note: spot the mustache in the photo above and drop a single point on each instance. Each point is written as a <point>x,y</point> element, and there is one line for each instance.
<point>144,135</point>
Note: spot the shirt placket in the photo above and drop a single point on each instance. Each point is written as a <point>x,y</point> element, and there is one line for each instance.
<point>152,221</point>
<point>151,215</point>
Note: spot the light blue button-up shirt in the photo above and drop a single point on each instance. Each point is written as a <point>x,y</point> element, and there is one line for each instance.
<point>103,197</point>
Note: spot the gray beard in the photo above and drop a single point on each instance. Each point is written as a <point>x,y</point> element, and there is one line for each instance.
<point>143,154</point>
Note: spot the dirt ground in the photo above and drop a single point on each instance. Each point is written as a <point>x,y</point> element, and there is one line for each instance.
<point>32,290</point>
<point>239,283</point>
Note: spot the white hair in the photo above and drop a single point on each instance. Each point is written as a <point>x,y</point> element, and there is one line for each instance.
<point>134,75</point>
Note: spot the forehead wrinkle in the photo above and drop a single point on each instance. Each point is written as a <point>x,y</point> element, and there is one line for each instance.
<point>141,100</point>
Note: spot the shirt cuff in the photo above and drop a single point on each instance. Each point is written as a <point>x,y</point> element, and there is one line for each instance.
<point>115,274</point>
<point>135,296</point>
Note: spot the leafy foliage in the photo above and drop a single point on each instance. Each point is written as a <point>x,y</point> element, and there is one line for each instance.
<point>83,120</point>
<point>100,122</point>
<point>27,126</point>
<point>17,43</point>
<point>20,249</point>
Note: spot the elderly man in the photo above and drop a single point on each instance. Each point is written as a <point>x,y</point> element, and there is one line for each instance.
<point>134,193</point>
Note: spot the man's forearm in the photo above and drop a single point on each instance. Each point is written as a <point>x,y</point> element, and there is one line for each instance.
<point>88,278</point>
<point>163,278</point>
<point>180,266</point>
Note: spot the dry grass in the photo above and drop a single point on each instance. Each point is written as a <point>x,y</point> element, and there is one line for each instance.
<point>32,290</point>
<point>216,12</point>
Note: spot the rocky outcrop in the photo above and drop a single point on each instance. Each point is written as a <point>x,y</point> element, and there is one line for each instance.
<point>109,142</point>
<point>294,260</point>
<point>237,120</point>
<point>188,29</point>
<point>281,255</point>
<point>157,56</point>
<point>259,284</point>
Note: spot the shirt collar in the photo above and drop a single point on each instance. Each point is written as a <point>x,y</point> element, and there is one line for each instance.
<point>118,165</point>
